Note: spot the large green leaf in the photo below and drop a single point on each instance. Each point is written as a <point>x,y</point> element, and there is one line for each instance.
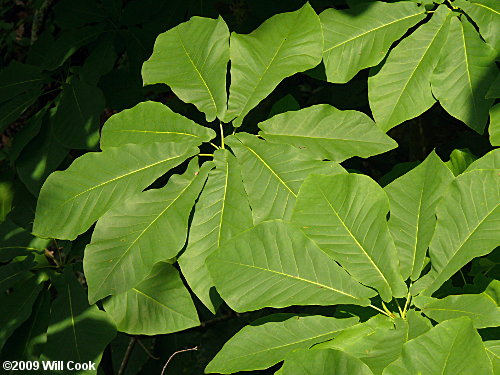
<point>489,161</point>
<point>480,308</point>
<point>276,265</point>
<point>462,77</point>
<point>13,108</point>
<point>467,226</point>
<point>493,350</point>
<point>328,132</point>
<point>450,348</point>
<point>152,122</point>
<point>192,59</point>
<point>272,174</point>
<point>222,211</point>
<point>494,128</point>
<point>486,14</point>
<point>259,347</point>
<point>131,237</point>
<point>13,272</point>
<point>400,91</point>
<point>377,342</point>
<point>370,28</point>
<point>77,332</point>
<point>494,90</point>
<point>413,198</point>
<point>345,215</point>
<point>19,78</point>
<point>159,304</point>
<point>72,200</point>
<point>417,324</point>
<point>323,362</point>
<point>283,45</point>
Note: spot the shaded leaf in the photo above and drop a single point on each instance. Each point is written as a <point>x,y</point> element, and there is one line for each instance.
<point>494,129</point>
<point>489,161</point>
<point>417,324</point>
<point>19,78</point>
<point>460,161</point>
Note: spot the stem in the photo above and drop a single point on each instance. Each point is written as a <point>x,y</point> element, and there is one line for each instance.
<point>127,355</point>
<point>389,312</point>
<point>150,355</point>
<point>221,135</point>
<point>205,154</point>
<point>380,310</point>
<point>399,308</point>
<point>172,356</point>
<point>407,303</point>
<point>214,145</point>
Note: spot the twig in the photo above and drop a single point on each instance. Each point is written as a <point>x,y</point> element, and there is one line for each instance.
<point>150,355</point>
<point>172,356</point>
<point>38,20</point>
<point>127,355</point>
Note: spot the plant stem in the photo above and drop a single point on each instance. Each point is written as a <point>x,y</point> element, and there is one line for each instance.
<point>150,355</point>
<point>399,308</point>
<point>221,135</point>
<point>205,154</point>
<point>407,303</point>
<point>127,355</point>
<point>380,310</point>
<point>389,312</point>
<point>172,356</point>
<point>214,145</point>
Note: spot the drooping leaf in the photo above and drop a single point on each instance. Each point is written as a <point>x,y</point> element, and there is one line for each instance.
<point>19,78</point>
<point>72,200</point>
<point>463,75</point>
<point>413,198</point>
<point>259,347</point>
<point>149,122</point>
<point>345,215</point>
<point>101,60</point>
<point>399,92</point>
<point>494,128</point>
<point>159,304</point>
<point>493,350</point>
<point>276,265</point>
<point>360,37</point>
<point>29,131</point>
<point>272,173</point>
<point>480,308</point>
<point>460,161</point>
<point>328,132</point>
<point>222,211</point>
<point>10,110</point>
<point>14,271</point>
<point>417,324</point>
<point>467,224</point>
<point>450,348</point>
<point>149,227</point>
<point>192,59</point>
<point>489,161</point>
<point>16,241</point>
<point>283,45</point>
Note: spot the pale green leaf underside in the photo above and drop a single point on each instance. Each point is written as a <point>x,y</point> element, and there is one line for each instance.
<point>463,75</point>
<point>345,215</point>
<point>132,236</point>
<point>259,347</point>
<point>328,132</point>
<point>276,265</point>
<point>192,59</point>
<point>401,89</point>
<point>150,122</point>
<point>72,200</point>
<point>413,198</point>
<point>494,129</point>
<point>285,44</point>
<point>221,212</point>
<point>159,304</point>
<point>360,37</point>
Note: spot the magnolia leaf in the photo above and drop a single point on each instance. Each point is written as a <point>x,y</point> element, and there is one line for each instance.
<point>494,128</point>
<point>259,347</point>
<point>192,59</point>
<point>283,45</point>
<point>413,198</point>
<point>399,92</point>
<point>272,174</point>
<point>222,211</point>
<point>158,305</point>
<point>417,324</point>
<point>489,161</point>
<point>131,237</point>
<point>13,272</point>
<point>349,224</point>
<point>480,308</point>
<point>450,348</point>
<point>328,132</point>
<point>276,265</point>
<point>150,122</point>
<point>460,161</point>
<point>13,108</point>
<point>493,350</point>
<point>494,90</point>
<point>467,224</point>
<point>368,28</point>
<point>463,75</point>
<point>72,200</point>
<point>19,78</point>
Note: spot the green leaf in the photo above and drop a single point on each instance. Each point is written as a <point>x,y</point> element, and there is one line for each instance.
<point>131,237</point>
<point>323,362</point>
<point>276,265</point>
<point>463,75</point>
<point>222,211</point>
<point>16,241</point>
<point>149,122</point>
<point>14,271</point>
<point>377,342</point>
<point>493,291</point>
<point>72,200</point>
<point>286,103</point>
<point>413,198</point>
<point>480,308</point>
<point>467,226</point>
<point>494,90</point>
<point>494,128</point>
<point>101,60</point>
<point>489,161</point>
<point>493,350</point>
<point>368,28</point>
<point>283,45</point>
<point>349,224</point>
<point>486,14</point>
<point>272,173</point>
<point>450,348</point>
<point>76,13</point>
<point>192,59</point>
<point>460,161</point>
<point>29,131</point>
<point>417,324</point>
<point>259,347</point>
<point>401,91</point>
<point>19,78</point>
<point>10,110</point>
<point>328,132</point>
<point>158,305</point>
<point>77,332</point>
